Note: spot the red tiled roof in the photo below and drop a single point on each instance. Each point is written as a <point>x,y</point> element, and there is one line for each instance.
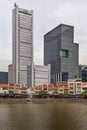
<point>52,87</point>
<point>84,84</point>
<point>6,86</point>
<point>45,86</point>
<point>65,86</point>
<point>31,88</point>
<point>38,87</point>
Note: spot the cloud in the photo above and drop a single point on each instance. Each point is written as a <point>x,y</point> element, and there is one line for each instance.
<point>4,64</point>
<point>47,15</point>
<point>72,13</point>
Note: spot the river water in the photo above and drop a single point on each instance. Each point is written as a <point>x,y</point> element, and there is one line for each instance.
<point>43,116</point>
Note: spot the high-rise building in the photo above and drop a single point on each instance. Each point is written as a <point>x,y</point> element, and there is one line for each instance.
<point>10,77</point>
<point>22,39</point>
<point>38,75</point>
<point>83,72</point>
<point>62,53</point>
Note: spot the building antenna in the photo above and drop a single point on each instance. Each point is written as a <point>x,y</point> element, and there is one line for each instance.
<point>15,5</point>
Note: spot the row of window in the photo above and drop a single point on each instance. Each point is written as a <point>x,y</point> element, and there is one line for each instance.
<point>25,21</point>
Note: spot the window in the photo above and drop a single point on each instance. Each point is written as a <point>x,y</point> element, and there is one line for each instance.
<point>71,88</point>
<point>71,84</point>
<point>64,53</point>
<point>71,92</point>
<point>64,76</point>
<point>78,84</point>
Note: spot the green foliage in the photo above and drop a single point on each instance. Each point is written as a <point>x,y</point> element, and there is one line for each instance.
<point>55,93</point>
<point>36,92</point>
<point>85,92</point>
<point>42,92</point>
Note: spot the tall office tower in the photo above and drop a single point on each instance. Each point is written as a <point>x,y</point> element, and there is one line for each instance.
<point>83,72</point>
<point>10,68</point>
<point>22,29</point>
<point>62,53</point>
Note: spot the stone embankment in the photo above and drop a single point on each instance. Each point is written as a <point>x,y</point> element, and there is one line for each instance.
<point>41,100</point>
<point>53,100</point>
<point>13,100</point>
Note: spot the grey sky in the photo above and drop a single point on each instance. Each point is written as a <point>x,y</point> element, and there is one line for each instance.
<point>47,15</point>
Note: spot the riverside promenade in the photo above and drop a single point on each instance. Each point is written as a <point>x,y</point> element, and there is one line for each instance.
<point>13,100</point>
<point>43,100</point>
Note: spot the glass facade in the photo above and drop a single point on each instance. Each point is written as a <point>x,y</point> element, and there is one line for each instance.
<point>65,53</point>
<point>64,76</point>
<point>3,77</point>
<point>62,53</point>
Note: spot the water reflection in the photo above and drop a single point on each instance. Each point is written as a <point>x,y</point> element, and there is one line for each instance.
<point>43,116</point>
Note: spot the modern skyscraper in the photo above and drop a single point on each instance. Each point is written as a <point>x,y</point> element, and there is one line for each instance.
<point>62,53</point>
<point>83,72</point>
<point>10,70</point>
<point>22,38</point>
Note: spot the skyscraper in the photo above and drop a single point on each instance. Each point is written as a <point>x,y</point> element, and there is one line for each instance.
<point>22,43</point>
<point>10,70</point>
<point>62,53</point>
<point>83,72</point>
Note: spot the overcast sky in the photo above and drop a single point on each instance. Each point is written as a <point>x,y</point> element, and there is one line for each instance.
<point>47,15</point>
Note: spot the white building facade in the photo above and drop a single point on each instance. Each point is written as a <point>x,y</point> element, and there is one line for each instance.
<point>75,86</point>
<point>38,75</point>
<point>22,43</point>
